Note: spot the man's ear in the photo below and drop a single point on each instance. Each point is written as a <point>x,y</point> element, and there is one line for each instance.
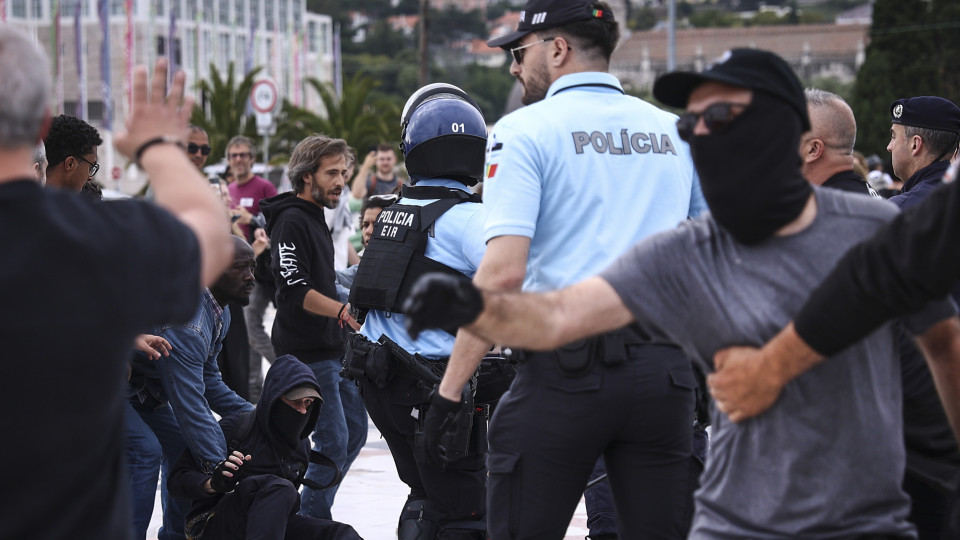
<point>812,151</point>
<point>916,145</point>
<point>559,51</point>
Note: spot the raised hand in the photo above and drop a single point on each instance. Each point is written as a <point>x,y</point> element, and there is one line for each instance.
<point>154,113</point>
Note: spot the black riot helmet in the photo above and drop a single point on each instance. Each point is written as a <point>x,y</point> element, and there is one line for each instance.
<point>443,135</point>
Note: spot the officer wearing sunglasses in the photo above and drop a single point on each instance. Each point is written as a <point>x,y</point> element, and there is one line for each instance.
<point>582,162</point>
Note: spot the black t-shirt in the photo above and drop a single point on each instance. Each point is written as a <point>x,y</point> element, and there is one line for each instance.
<point>79,280</point>
<point>847,181</point>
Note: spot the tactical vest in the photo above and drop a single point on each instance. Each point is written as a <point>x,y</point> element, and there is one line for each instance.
<point>394,258</point>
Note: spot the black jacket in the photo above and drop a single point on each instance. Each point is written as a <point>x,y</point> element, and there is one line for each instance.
<point>302,251</point>
<point>268,454</point>
<point>848,181</point>
<point>919,186</point>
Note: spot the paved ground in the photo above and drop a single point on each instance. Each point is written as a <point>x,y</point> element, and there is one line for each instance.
<point>371,496</point>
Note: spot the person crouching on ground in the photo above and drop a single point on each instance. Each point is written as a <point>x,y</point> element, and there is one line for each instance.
<point>254,492</point>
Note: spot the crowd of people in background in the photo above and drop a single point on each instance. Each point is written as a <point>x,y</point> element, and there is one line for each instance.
<point>595,321</point>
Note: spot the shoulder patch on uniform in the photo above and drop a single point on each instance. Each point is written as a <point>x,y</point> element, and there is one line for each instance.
<point>491,170</point>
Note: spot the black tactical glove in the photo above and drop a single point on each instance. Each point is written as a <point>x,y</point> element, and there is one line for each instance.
<point>441,301</point>
<point>440,424</point>
<point>221,483</point>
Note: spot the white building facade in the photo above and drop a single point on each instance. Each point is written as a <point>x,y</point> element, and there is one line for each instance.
<point>289,43</point>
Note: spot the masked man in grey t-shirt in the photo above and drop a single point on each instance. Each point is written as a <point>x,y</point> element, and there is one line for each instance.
<point>826,460</point>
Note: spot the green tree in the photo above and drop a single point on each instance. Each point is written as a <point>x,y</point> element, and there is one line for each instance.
<point>454,24</point>
<point>712,18</point>
<point>945,15</point>
<point>813,17</point>
<point>222,108</point>
<point>913,51</point>
<point>766,18</point>
<point>497,9</point>
<point>488,86</point>
<point>642,19</point>
<point>355,117</point>
<point>832,84</point>
<point>407,7</point>
<point>383,39</point>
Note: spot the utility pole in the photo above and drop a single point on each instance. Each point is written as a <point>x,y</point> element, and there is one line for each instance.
<point>424,9</point>
<point>671,36</point>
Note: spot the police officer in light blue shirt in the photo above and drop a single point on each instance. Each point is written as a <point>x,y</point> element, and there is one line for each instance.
<point>436,225</point>
<point>571,182</point>
<point>592,177</point>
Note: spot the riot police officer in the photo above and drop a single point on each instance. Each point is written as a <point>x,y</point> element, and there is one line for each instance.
<point>437,225</point>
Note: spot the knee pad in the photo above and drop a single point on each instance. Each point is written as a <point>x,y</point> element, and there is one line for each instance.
<point>418,521</point>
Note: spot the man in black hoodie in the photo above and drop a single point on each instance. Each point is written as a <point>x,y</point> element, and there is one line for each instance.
<point>253,493</point>
<point>310,321</point>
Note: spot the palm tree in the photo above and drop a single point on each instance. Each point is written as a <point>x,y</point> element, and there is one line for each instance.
<point>354,117</point>
<point>222,109</point>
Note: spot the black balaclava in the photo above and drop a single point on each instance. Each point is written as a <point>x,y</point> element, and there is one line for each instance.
<point>288,424</point>
<point>750,171</point>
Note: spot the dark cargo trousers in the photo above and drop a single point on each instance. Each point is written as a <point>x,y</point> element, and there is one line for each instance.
<point>265,507</point>
<point>551,427</point>
<point>457,492</point>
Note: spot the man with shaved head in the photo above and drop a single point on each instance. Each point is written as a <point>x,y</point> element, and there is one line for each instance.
<point>827,149</point>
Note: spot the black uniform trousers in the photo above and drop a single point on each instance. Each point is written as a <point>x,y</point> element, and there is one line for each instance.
<point>265,507</point>
<point>456,492</point>
<point>550,428</point>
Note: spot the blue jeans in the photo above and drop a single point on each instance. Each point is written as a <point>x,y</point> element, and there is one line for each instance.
<point>340,433</point>
<point>154,443</point>
<point>260,346</point>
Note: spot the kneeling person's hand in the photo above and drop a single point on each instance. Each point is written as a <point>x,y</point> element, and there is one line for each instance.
<point>224,477</point>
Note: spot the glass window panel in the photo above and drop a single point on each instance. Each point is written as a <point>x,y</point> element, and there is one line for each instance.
<point>18,8</point>
<point>268,16</point>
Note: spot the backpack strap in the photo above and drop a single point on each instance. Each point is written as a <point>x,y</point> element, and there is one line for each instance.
<point>321,459</point>
<point>242,431</point>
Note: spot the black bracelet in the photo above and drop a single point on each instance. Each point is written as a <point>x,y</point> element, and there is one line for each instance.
<point>164,139</point>
<point>340,313</point>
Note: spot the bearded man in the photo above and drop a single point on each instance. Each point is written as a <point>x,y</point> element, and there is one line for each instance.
<point>310,320</point>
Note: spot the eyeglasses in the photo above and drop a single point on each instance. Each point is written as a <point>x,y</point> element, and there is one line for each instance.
<point>517,52</point>
<point>204,149</point>
<point>94,167</point>
<point>716,117</point>
<point>239,155</point>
